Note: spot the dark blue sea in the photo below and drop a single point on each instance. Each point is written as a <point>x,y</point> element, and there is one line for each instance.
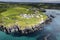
<point>50,31</point>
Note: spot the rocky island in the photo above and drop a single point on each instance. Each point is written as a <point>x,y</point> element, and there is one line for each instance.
<point>23,19</point>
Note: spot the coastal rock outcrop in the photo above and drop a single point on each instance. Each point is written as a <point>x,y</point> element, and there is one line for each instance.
<point>23,20</point>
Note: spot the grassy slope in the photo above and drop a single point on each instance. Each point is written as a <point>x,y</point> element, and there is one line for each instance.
<point>11,16</point>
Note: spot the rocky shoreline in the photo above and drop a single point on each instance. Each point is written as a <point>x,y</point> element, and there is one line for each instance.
<point>16,29</point>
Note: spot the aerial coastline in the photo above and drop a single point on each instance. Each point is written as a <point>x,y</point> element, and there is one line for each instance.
<point>22,18</point>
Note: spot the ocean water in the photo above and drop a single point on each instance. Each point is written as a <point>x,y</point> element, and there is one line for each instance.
<point>50,31</point>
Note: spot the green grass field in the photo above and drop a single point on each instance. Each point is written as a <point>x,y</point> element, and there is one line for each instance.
<point>21,16</point>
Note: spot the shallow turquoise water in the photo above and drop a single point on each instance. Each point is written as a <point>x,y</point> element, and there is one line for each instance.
<point>4,36</point>
<point>53,29</point>
<point>34,36</point>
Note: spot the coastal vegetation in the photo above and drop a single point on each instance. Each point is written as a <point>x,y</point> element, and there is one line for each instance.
<point>22,16</point>
<point>16,17</point>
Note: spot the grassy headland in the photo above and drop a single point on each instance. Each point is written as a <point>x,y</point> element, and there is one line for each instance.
<point>23,16</point>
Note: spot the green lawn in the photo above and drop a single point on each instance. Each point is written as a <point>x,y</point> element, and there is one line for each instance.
<point>13,17</point>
